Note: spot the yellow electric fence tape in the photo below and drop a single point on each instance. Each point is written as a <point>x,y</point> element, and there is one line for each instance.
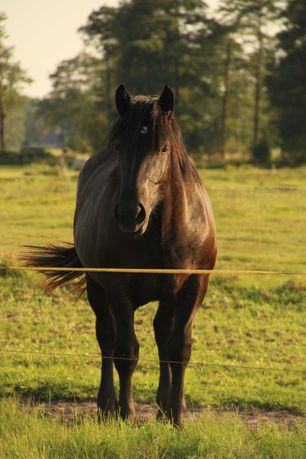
<point>214,272</point>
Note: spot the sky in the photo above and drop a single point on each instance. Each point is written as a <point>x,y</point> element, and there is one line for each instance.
<point>44,32</point>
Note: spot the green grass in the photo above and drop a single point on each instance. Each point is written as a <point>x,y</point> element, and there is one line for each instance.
<point>32,436</point>
<point>247,321</point>
<point>238,326</point>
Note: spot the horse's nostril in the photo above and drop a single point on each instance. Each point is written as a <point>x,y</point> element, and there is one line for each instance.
<point>141,214</point>
<point>129,217</point>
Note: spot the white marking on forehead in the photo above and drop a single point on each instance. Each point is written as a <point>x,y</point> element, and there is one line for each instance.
<point>144,130</point>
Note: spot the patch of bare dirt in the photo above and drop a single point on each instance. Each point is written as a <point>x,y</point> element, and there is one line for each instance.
<point>70,413</point>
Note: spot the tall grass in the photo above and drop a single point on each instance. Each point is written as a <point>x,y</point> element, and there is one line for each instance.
<point>25,434</point>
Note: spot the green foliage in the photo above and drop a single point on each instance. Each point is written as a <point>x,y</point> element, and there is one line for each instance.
<point>287,81</point>
<point>12,78</point>
<point>218,67</point>
<point>235,82</point>
<point>175,43</point>
<point>15,126</point>
<point>35,126</point>
<point>249,20</point>
<point>27,156</point>
<point>73,108</point>
<point>261,151</point>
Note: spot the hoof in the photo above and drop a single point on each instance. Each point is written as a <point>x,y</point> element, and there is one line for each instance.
<point>174,418</point>
<point>161,414</point>
<point>127,412</point>
<point>108,410</point>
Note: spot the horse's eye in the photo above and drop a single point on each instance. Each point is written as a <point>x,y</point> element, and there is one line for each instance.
<point>165,148</point>
<point>144,130</point>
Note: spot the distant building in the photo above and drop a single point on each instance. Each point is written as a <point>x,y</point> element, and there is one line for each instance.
<point>50,139</point>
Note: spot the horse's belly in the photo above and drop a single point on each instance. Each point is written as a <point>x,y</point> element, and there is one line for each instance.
<point>144,288</point>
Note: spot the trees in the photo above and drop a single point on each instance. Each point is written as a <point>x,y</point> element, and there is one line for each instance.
<point>231,80</point>
<point>287,81</point>
<point>249,19</point>
<point>146,44</point>
<point>218,67</point>
<point>75,105</point>
<point>12,78</point>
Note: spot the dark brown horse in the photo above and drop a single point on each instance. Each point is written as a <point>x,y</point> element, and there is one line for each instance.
<point>140,204</point>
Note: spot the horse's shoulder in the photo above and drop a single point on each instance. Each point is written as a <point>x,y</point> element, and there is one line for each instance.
<point>89,166</point>
<point>102,160</point>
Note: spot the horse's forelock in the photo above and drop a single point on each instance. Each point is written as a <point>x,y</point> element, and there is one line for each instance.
<point>165,127</point>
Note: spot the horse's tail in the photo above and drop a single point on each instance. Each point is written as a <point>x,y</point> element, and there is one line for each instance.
<point>53,256</point>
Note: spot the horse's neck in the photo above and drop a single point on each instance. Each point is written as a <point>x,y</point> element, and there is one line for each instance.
<point>175,204</point>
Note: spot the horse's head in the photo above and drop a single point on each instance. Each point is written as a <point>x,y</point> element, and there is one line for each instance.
<point>143,137</point>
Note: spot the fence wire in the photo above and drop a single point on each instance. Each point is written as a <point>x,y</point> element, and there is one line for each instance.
<point>218,272</point>
<point>194,364</point>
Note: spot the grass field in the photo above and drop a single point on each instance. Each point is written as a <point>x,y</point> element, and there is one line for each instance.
<point>247,321</point>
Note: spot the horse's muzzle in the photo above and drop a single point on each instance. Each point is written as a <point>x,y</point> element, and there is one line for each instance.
<point>130,218</point>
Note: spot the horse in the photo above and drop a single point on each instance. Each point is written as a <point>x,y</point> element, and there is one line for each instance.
<point>139,204</point>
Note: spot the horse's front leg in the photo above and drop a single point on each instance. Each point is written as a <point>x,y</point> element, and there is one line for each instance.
<point>163,323</point>
<point>105,333</point>
<point>179,347</point>
<point>126,351</point>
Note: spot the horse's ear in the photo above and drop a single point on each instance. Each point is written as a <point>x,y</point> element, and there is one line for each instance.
<point>166,99</point>
<point>123,100</point>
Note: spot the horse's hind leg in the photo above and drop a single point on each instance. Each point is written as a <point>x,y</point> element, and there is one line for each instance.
<point>163,323</point>
<point>105,332</point>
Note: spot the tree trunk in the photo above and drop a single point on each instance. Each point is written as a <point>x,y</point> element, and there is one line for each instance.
<point>176,84</point>
<point>109,104</point>
<point>258,84</point>
<point>226,81</point>
<point>2,115</point>
<point>177,40</point>
<point>2,135</point>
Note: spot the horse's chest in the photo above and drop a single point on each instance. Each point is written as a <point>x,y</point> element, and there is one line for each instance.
<point>143,288</point>
<point>151,287</point>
